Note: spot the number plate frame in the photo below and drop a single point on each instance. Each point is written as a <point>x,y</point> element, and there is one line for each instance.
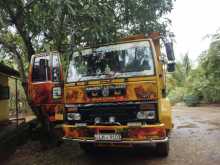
<point>108,137</point>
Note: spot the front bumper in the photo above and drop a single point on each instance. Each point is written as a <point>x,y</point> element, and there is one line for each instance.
<point>151,141</point>
<point>130,135</point>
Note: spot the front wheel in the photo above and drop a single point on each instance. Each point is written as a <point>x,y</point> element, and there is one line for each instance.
<point>162,149</point>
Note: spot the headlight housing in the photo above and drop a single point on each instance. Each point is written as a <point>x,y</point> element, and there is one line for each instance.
<point>150,115</point>
<point>73,116</point>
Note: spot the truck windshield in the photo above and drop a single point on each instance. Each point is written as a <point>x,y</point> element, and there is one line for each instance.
<point>112,61</point>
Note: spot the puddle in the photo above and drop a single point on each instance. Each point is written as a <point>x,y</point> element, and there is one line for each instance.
<point>217,124</point>
<point>190,125</point>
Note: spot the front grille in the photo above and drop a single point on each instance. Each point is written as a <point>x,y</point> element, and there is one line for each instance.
<point>106,91</point>
<point>123,113</point>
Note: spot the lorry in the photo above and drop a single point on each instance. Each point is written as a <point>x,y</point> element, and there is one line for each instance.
<point>114,94</point>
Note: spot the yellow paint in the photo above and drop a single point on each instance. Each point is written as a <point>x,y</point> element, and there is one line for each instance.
<point>147,84</point>
<point>4,104</point>
<point>153,84</point>
<point>59,112</point>
<point>58,116</point>
<point>166,115</point>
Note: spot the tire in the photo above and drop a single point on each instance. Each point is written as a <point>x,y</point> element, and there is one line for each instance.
<point>87,147</point>
<point>162,149</point>
<point>168,131</point>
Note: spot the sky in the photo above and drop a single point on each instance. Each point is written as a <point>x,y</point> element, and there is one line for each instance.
<point>192,20</point>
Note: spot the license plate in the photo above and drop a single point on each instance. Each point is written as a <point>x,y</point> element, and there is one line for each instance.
<point>107,137</point>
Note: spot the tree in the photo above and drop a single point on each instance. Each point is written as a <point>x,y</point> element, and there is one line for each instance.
<point>183,69</point>
<point>30,26</point>
<point>202,82</point>
<point>178,81</point>
<point>208,73</point>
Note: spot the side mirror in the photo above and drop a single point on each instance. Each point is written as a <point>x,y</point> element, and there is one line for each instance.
<point>169,51</point>
<point>163,59</point>
<point>171,67</point>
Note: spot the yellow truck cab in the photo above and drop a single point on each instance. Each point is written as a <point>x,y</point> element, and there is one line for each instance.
<point>115,94</point>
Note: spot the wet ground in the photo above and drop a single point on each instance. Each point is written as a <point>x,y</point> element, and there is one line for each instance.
<point>195,139</point>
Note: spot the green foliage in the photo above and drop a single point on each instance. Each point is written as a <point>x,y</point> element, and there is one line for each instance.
<point>203,82</point>
<point>207,82</point>
<point>191,100</point>
<point>31,26</point>
<point>176,95</point>
<point>180,76</point>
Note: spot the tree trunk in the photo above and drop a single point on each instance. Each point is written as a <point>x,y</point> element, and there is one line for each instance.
<point>17,13</point>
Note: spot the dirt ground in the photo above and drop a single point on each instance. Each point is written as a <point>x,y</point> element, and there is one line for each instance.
<point>195,139</point>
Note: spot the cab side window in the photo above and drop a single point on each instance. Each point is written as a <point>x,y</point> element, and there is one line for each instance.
<point>56,69</point>
<point>41,69</point>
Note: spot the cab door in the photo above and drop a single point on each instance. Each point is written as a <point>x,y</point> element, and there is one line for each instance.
<point>45,85</point>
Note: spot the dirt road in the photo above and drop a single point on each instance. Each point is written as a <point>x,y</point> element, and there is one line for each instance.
<point>195,139</point>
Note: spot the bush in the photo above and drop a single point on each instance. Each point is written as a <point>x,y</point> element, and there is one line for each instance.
<point>191,100</point>
<point>176,95</point>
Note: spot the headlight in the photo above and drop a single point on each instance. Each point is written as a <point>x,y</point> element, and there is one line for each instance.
<point>97,120</point>
<point>111,119</point>
<point>57,92</point>
<point>73,116</point>
<point>146,115</point>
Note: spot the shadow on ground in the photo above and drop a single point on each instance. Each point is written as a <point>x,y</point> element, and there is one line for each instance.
<point>71,154</point>
<point>118,156</point>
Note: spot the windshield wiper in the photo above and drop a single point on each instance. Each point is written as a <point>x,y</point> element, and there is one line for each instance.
<point>88,76</point>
